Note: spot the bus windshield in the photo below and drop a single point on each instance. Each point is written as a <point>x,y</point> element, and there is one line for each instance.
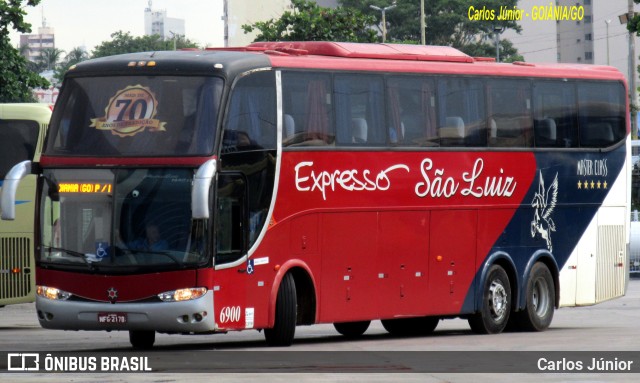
<point>136,116</point>
<point>120,220</point>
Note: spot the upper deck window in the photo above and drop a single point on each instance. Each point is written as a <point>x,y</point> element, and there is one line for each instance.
<point>136,116</point>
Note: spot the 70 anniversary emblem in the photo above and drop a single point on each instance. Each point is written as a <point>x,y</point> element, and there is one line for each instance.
<point>130,111</point>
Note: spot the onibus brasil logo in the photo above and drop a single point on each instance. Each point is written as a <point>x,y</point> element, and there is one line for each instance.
<point>130,111</point>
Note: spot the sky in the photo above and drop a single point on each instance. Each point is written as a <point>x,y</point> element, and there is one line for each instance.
<point>88,23</point>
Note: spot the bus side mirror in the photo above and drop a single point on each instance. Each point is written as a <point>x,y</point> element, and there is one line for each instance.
<point>10,187</point>
<point>200,190</point>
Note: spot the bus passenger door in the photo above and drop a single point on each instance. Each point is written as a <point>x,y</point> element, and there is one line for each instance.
<point>452,259</point>
<point>230,246</point>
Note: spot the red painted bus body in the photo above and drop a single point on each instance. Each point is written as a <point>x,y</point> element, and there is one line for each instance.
<point>333,231</point>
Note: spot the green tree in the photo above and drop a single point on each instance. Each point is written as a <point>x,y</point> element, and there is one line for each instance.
<point>16,80</point>
<point>310,22</point>
<point>508,53</point>
<point>125,43</point>
<point>49,58</point>
<point>75,56</point>
<point>447,22</point>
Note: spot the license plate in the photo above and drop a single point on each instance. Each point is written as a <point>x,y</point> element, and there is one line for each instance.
<point>115,318</point>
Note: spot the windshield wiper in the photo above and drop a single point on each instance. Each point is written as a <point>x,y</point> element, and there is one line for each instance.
<point>75,254</point>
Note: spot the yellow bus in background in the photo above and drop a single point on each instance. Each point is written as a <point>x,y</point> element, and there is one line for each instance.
<point>22,131</point>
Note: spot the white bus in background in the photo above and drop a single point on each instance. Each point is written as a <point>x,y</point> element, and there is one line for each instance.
<point>22,130</point>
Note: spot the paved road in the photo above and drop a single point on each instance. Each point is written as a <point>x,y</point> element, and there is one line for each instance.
<point>605,329</point>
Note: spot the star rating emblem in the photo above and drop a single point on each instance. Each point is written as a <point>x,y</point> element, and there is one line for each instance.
<point>112,294</point>
<point>586,185</point>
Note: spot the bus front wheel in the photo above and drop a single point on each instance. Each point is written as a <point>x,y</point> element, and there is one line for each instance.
<point>496,303</point>
<point>540,304</point>
<point>142,340</point>
<point>284,328</point>
<point>352,329</point>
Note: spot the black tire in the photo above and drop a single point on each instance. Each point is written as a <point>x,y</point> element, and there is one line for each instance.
<point>410,326</point>
<point>142,340</point>
<point>540,300</point>
<point>352,329</point>
<point>496,303</point>
<point>284,329</point>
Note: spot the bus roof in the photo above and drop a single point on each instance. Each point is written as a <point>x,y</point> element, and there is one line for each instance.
<point>416,58</point>
<point>368,51</point>
<point>172,62</point>
<point>26,111</point>
<point>396,58</point>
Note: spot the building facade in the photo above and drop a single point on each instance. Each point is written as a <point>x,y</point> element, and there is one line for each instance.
<point>32,45</point>
<point>156,22</point>
<point>237,13</point>
<point>598,38</point>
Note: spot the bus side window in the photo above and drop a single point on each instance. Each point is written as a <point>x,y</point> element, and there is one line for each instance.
<point>510,122</point>
<point>308,110</point>
<point>601,115</point>
<point>251,115</point>
<point>461,99</point>
<point>411,111</point>
<point>555,114</point>
<point>18,140</point>
<point>231,217</point>
<point>359,110</point>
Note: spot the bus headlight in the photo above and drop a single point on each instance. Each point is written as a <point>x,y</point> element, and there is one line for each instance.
<point>52,293</point>
<point>183,294</point>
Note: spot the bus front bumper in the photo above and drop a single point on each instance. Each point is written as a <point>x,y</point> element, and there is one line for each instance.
<point>194,316</point>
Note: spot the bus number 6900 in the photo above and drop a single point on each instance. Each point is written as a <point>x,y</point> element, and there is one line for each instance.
<point>230,314</point>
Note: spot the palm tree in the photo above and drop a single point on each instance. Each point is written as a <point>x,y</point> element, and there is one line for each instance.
<point>76,55</point>
<point>49,58</point>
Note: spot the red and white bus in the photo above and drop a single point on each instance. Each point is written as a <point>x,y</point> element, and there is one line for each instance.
<point>286,184</point>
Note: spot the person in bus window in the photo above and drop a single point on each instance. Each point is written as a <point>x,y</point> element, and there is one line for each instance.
<point>152,241</point>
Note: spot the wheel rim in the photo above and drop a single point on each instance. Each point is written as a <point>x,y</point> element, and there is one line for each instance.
<point>540,297</point>
<point>498,300</point>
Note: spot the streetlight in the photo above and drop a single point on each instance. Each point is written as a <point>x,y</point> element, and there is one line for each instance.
<point>173,36</point>
<point>497,31</point>
<point>633,93</point>
<point>384,19</point>
<point>423,26</point>
<point>607,22</point>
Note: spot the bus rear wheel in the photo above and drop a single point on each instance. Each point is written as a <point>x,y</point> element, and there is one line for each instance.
<point>540,301</point>
<point>352,329</point>
<point>284,329</point>
<point>496,303</point>
<point>410,326</point>
<point>142,340</point>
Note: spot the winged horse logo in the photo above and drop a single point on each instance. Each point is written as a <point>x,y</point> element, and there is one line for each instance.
<point>544,202</point>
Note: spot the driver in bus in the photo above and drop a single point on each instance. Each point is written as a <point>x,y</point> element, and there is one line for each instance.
<point>152,241</point>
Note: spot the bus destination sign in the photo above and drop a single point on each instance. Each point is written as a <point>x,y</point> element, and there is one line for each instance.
<point>85,187</point>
